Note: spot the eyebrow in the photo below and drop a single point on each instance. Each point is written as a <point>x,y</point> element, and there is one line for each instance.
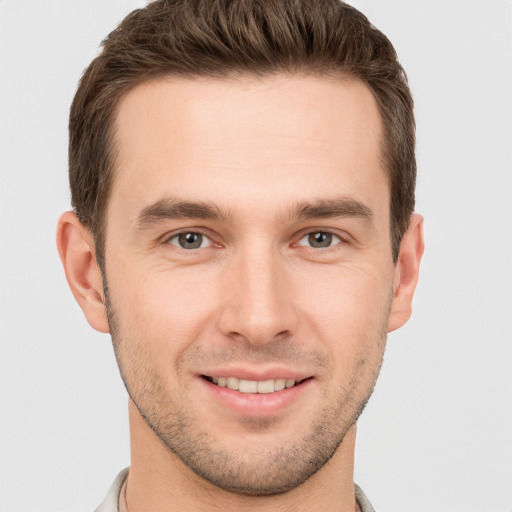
<point>329,208</point>
<point>168,209</point>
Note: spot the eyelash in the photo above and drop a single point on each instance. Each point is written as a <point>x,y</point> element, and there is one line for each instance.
<point>168,239</point>
<point>303,235</point>
<point>330,235</point>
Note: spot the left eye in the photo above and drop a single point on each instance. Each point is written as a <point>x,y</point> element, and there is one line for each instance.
<point>190,240</point>
<point>319,240</point>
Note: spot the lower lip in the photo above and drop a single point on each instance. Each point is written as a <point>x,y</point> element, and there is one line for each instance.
<point>257,404</point>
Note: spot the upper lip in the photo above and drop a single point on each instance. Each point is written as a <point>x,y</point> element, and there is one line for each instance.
<point>257,375</point>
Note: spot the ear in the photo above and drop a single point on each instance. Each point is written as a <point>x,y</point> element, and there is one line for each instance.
<point>76,250</point>
<point>406,273</point>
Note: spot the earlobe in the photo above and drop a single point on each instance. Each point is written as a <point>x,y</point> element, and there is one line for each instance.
<point>406,273</point>
<point>76,250</point>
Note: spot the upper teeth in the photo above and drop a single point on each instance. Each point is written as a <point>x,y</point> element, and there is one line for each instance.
<point>254,386</point>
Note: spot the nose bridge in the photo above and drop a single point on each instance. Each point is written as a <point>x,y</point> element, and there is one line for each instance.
<point>258,304</point>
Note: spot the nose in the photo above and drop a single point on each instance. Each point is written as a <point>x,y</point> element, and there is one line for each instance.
<point>257,299</point>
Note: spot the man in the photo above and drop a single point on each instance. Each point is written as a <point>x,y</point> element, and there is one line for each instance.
<point>242,176</point>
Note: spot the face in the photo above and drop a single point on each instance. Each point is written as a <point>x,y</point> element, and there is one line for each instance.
<point>249,270</point>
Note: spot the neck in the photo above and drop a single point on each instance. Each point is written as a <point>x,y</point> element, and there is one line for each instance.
<point>159,480</point>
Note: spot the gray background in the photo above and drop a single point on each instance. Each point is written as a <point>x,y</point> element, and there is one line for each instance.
<point>437,435</point>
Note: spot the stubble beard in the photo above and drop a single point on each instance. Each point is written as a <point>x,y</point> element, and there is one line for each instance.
<point>256,473</point>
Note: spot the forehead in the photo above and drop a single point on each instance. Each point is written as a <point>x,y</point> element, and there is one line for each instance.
<point>232,140</point>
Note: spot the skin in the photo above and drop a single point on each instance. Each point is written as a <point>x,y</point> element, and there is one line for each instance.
<point>275,160</point>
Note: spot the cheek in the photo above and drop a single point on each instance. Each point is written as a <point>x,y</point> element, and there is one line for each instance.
<point>348,313</point>
<point>357,295</point>
<point>169,310</point>
<point>164,309</point>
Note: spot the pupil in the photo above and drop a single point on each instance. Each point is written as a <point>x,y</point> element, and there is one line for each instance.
<point>320,239</point>
<point>190,240</point>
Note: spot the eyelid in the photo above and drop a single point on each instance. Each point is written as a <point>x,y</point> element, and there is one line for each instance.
<point>343,237</point>
<point>166,239</point>
<point>334,244</point>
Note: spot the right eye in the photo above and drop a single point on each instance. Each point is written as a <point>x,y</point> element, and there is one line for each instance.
<point>190,240</point>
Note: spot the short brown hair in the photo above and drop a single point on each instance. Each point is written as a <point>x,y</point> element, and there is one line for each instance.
<point>220,38</point>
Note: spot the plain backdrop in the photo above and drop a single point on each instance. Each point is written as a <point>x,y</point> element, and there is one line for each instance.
<point>437,434</point>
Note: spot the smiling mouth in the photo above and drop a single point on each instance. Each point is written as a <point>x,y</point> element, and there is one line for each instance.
<point>254,386</point>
